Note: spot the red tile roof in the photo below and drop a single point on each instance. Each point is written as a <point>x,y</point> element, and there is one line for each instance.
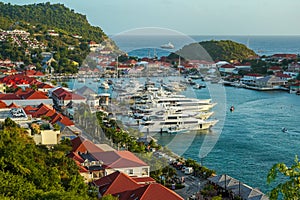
<point>119,159</point>
<point>18,79</point>
<point>116,184</point>
<point>13,105</point>
<point>61,93</point>
<point>285,55</point>
<point>2,104</point>
<point>9,96</point>
<point>29,109</point>
<point>63,120</point>
<point>153,191</point>
<point>274,68</point>
<point>44,86</point>
<point>281,75</point>
<point>80,144</point>
<point>125,188</point>
<point>255,75</point>
<point>34,95</point>
<point>45,110</point>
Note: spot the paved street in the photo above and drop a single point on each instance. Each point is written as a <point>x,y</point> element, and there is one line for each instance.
<point>192,185</point>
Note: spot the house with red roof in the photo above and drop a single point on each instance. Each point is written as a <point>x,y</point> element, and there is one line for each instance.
<point>44,87</point>
<point>62,97</point>
<point>19,80</point>
<point>126,188</point>
<point>242,67</point>
<point>111,160</point>
<point>27,96</point>
<point>226,69</point>
<point>274,69</point>
<point>47,111</point>
<point>33,73</point>
<point>282,76</point>
<point>284,56</point>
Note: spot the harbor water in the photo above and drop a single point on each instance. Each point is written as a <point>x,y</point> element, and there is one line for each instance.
<point>248,141</point>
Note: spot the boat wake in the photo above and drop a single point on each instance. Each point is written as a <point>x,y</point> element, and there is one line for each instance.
<point>292,132</point>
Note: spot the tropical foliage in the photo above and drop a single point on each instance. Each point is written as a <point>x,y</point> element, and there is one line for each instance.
<point>290,189</point>
<point>70,48</point>
<point>213,50</point>
<point>46,15</point>
<point>29,172</point>
<point>227,50</point>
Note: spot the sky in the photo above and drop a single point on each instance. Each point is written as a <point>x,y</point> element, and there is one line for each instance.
<point>190,17</point>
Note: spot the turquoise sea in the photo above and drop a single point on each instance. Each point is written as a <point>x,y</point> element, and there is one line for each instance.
<point>251,140</point>
<point>245,143</point>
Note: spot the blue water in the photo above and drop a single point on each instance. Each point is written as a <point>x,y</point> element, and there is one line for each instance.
<point>145,46</point>
<point>251,140</point>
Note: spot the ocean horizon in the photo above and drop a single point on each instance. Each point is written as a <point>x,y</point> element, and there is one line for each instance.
<point>149,45</point>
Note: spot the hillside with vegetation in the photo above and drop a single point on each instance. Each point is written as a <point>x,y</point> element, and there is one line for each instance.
<point>29,172</point>
<point>214,50</point>
<point>50,16</point>
<point>69,46</point>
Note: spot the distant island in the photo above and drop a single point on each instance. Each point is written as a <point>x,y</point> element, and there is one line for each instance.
<point>213,50</point>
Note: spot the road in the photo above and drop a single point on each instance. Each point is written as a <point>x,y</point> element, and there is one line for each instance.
<point>192,185</point>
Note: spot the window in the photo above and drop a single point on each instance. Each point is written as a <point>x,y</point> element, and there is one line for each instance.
<point>130,171</point>
<point>144,171</point>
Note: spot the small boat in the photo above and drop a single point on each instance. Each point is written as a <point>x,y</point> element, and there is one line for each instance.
<point>104,85</point>
<point>198,86</point>
<point>231,108</point>
<point>167,46</point>
<point>176,130</point>
<point>284,130</point>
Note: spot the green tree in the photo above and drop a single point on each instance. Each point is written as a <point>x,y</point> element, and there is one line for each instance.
<point>34,87</point>
<point>290,189</point>
<point>109,197</point>
<point>9,123</point>
<point>64,84</point>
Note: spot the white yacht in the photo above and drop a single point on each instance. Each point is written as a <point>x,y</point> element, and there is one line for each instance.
<point>179,122</point>
<point>167,46</point>
<point>182,103</point>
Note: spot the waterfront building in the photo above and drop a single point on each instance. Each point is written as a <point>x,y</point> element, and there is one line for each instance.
<point>270,82</point>
<point>251,79</point>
